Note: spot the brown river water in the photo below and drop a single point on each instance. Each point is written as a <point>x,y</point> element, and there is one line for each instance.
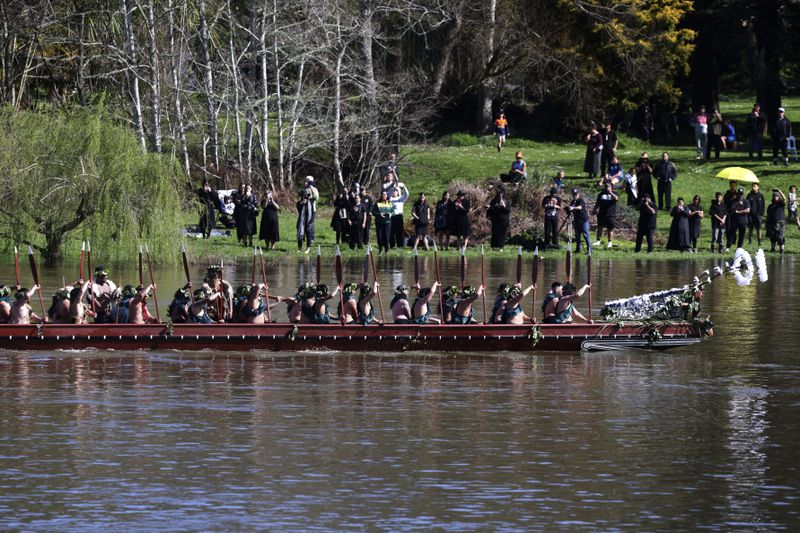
<point>702,437</point>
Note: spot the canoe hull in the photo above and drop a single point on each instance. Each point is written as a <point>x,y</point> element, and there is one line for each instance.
<point>352,338</point>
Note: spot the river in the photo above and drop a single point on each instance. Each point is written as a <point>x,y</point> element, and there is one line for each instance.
<point>702,437</point>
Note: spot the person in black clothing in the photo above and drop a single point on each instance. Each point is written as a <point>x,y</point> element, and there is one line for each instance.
<point>441,220</point>
<point>644,173</point>
<point>730,227</point>
<point>460,228</point>
<point>781,132</point>
<point>552,213</point>
<point>245,214</point>
<point>421,217</point>
<point>696,215</point>
<point>741,217</point>
<point>238,211</point>
<point>754,126</point>
<point>367,202</point>
<point>609,148</point>
<point>776,220</point>
<point>605,208</point>
<point>577,208</point>
<point>719,217</point>
<point>208,198</point>
<point>269,229</point>
<point>757,207</point>
<point>647,224</point>
<point>594,152</point>
<point>356,222</point>
<point>679,229</point>
<point>665,172</point>
<point>498,211</point>
<point>339,220</point>
<point>646,124</point>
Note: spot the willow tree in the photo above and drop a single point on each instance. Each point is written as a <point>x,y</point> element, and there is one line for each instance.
<point>73,175</point>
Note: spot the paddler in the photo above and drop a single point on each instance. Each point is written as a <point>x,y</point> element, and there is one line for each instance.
<point>449,303</point>
<point>301,307</point>
<point>401,309</point>
<point>499,306</point>
<point>198,311</point>
<point>463,312</point>
<point>564,306</point>
<point>350,309</point>
<point>137,308</point>
<point>5,304</point>
<point>366,312</point>
<point>21,312</point>
<point>78,309</point>
<point>550,300</point>
<point>513,313</point>
<point>213,281</point>
<point>122,310</point>
<point>322,294</point>
<point>255,306</point>
<point>421,310</point>
<point>59,309</point>
<point>103,290</point>
<point>178,309</point>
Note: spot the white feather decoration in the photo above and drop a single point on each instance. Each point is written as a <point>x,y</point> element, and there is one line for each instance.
<point>761,266</point>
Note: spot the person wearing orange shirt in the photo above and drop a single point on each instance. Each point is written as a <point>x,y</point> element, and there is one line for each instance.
<point>501,130</point>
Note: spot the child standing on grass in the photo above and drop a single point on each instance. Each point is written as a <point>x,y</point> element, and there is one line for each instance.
<point>793,206</point>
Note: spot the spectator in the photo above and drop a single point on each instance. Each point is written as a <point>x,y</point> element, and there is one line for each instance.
<point>696,215</point>
<point>679,229</point>
<point>398,199</point>
<point>741,217</point>
<point>339,221</point>
<point>776,221</point>
<point>208,198</point>
<point>442,217</point>
<point>792,205</point>
<point>594,152</point>
<point>647,224</point>
<point>757,208</point>
<point>730,229</point>
<point>580,217</point>
<point>368,203</point>
<point>715,131</point>
<point>559,181</point>
<point>356,222</point>
<point>646,124</point>
<point>605,208</point>
<point>246,214</point>
<point>382,213</point>
<point>700,124</point>
<point>780,135</point>
<point>644,174</point>
<point>754,127</point>
<point>609,149</point>
<point>719,217</point>
<point>498,212</point>
<point>461,227</point>
<point>388,168</point>
<point>421,216</point>
<point>665,173</point>
<point>632,187</point>
<point>269,230</point>
<point>238,211</point>
<point>615,170</point>
<point>729,139</point>
<point>519,169</point>
<point>305,219</point>
<point>501,130</point>
<point>552,211</point>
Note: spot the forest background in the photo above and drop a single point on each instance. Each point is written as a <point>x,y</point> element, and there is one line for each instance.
<point>115,110</point>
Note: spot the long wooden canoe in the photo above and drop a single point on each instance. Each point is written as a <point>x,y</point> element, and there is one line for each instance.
<point>373,338</point>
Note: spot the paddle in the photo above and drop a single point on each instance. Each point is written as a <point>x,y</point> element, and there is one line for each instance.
<point>483,283</point>
<point>91,275</point>
<point>416,267</point>
<point>339,281</point>
<point>319,263</point>
<point>463,269</point>
<point>589,282</point>
<point>266,287</point>
<point>439,281</point>
<point>220,303</point>
<point>253,271</point>
<point>186,270</point>
<point>152,282</point>
<point>16,267</point>
<point>519,265</point>
<point>375,278</point>
<point>534,279</point>
<point>569,257</point>
<point>83,251</point>
<point>141,267</point>
<point>366,266</point>
<point>35,273</point>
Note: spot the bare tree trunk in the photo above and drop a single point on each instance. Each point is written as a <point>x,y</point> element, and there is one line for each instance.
<point>177,67</point>
<point>485,92</point>
<point>265,103</point>
<point>155,78</point>
<point>235,73</point>
<point>366,11</point>
<point>205,45</point>
<point>131,74</point>
<point>446,52</point>
<point>295,119</point>
<point>250,118</point>
<point>80,83</point>
<point>278,103</point>
<point>337,115</point>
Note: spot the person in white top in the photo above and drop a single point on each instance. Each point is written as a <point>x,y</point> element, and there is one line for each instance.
<point>398,198</point>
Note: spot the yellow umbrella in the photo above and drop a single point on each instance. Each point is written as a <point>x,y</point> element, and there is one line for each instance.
<point>742,175</point>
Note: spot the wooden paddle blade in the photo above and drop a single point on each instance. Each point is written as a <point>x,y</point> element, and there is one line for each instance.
<point>463,267</point>
<point>16,265</point>
<point>319,264</point>
<point>519,265</point>
<point>253,270</point>
<point>141,265</point>
<point>34,270</point>
<point>338,266</point>
<point>416,267</point>
<point>366,266</point>
<point>535,269</point>
<point>569,265</point>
